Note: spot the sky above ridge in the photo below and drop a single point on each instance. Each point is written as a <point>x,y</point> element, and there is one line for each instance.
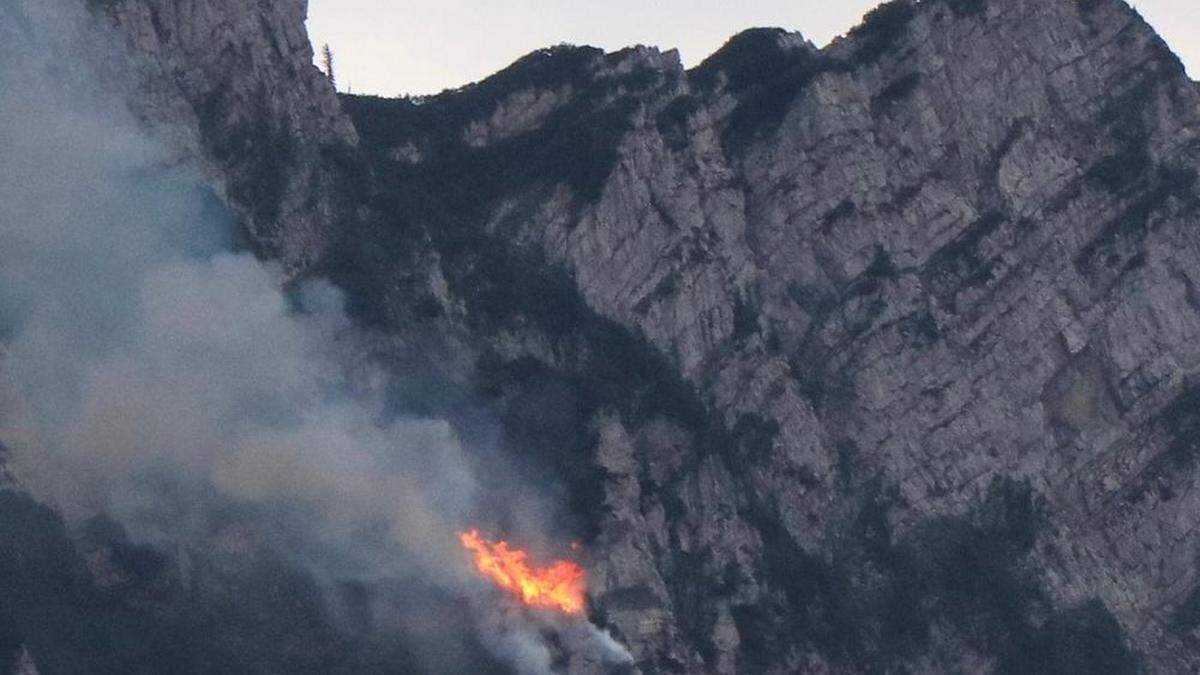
<point>424,46</point>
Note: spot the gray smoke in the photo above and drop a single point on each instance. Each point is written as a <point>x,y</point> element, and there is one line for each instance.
<point>149,372</point>
<point>155,368</point>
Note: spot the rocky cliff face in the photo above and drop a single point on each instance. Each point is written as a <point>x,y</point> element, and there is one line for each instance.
<point>878,357</point>
<point>233,86</point>
<point>948,255</point>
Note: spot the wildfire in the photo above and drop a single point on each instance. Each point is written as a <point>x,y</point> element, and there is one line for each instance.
<point>559,586</point>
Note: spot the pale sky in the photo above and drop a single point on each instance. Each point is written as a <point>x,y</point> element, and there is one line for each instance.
<point>390,48</point>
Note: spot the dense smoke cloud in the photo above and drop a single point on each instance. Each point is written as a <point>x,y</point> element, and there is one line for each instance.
<point>154,364</point>
<point>150,372</point>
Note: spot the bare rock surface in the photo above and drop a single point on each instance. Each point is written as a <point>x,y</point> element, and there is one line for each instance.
<point>234,84</point>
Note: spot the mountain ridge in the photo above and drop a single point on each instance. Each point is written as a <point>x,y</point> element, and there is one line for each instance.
<point>876,266</point>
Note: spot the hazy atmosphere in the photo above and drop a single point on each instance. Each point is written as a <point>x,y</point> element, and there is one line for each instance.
<point>424,47</point>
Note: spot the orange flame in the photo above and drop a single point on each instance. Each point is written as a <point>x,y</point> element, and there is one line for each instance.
<point>559,586</point>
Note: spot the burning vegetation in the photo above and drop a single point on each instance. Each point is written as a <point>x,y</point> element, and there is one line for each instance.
<point>559,586</point>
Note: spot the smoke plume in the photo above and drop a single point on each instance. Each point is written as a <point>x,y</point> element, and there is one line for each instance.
<point>156,367</point>
<point>150,372</point>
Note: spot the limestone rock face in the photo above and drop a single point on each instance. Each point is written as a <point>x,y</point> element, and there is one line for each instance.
<point>924,302</point>
<point>25,664</point>
<point>234,85</point>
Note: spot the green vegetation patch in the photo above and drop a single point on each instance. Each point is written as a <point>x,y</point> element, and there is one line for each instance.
<point>881,29</point>
<point>895,93</point>
<point>871,603</point>
<point>765,76</point>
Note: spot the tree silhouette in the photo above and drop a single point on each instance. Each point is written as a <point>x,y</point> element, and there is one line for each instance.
<point>327,59</point>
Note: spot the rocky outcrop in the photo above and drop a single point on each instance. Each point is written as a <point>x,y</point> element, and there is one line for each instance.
<point>232,85</point>
<point>24,664</point>
<point>21,663</point>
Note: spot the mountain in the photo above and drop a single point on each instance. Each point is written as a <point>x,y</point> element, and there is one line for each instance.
<point>880,357</point>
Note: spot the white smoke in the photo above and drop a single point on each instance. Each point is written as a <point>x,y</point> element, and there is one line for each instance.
<point>519,638</point>
<point>149,371</point>
<point>145,351</point>
<point>517,641</point>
